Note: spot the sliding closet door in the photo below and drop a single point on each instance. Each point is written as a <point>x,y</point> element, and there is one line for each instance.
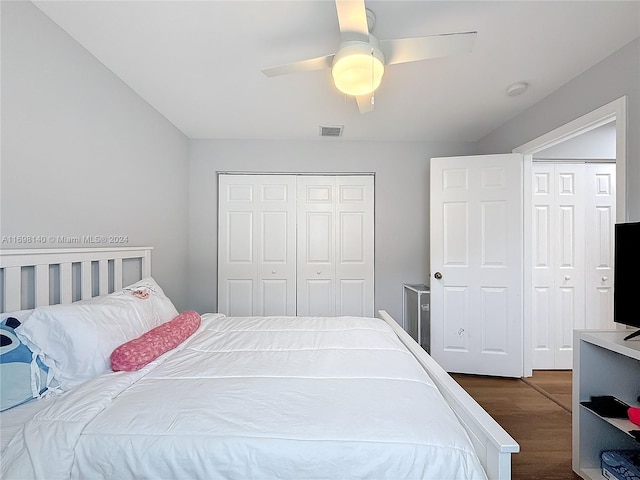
<point>256,245</point>
<point>335,245</point>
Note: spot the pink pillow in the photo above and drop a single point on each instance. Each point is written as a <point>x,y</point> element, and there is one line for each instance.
<point>137,353</point>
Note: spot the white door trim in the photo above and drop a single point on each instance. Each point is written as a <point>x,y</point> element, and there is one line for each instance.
<point>613,111</point>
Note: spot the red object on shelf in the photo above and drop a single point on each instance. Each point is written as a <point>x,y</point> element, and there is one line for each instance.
<point>634,415</point>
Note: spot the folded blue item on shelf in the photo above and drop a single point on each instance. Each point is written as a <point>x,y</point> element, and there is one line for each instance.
<point>621,464</point>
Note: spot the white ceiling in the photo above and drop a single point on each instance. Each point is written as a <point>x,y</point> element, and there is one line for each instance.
<point>199,62</point>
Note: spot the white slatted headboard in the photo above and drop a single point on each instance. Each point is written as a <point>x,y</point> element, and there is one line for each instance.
<point>71,273</point>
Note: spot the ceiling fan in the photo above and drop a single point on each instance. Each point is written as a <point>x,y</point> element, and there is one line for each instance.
<point>358,65</point>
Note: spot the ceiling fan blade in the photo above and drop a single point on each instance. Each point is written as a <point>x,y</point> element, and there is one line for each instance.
<point>365,104</point>
<point>424,48</point>
<point>352,19</point>
<point>309,65</point>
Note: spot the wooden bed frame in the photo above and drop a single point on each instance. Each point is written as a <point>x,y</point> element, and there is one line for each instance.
<point>29,277</point>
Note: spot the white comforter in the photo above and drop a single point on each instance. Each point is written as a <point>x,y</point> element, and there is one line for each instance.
<point>244,398</point>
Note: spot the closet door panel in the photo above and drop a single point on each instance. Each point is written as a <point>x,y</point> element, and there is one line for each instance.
<point>236,292</point>
<point>544,293</point>
<point>316,246</point>
<point>256,249</point>
<point>355,245</point>
<point>352,298</point>
<point>239,238</point>
<point>274,296</point>
<point>600,220</point>
<point>317,298</point>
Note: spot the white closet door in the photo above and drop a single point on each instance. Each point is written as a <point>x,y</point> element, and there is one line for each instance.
<point>600,219</point>
<point>573,208</point>
<point>256,245</point>
<point>558,271</point>
<point>543,177</point>
<point>335,245</point>
<point>354,252</point>
<point>569,238</point>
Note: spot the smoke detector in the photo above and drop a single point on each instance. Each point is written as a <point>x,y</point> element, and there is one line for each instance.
<point>517,88</point>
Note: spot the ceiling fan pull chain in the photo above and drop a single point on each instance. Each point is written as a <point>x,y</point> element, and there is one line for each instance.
<point>373,91</point>
<point>372,79</point>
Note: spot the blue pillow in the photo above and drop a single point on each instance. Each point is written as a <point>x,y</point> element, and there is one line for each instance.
<point>16,361</point>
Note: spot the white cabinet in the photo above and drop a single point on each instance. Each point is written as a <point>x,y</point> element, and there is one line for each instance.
<point>604,364</point>
<point>295,245</point>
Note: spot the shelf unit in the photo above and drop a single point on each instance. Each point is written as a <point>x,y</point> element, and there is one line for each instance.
<point>603,364</point>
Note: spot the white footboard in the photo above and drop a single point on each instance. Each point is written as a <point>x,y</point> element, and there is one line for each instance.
<point>492,443</point>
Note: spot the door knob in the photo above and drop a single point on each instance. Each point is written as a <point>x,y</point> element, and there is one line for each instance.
<point>604,279</point>
<point>437,275</point>
<point>567,277</point>
<point>273,271</point>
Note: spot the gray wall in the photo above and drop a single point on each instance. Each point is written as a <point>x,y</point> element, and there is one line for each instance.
<point>614,77</point>
<point>83,154</point>
<point>596,144</point>
<point>401,204</point>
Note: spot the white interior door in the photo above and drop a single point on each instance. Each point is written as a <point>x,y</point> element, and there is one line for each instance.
<point>476,264</point>
<point>335,245</point>
<point>256,245</point>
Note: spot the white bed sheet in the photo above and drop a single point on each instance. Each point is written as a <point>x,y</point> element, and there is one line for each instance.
<point>244,398</point>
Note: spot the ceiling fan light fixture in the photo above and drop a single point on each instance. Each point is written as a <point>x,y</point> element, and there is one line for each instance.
<point>358,68</point>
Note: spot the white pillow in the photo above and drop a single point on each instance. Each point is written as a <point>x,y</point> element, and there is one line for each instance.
<point>163,308</point>
<point>76,340</point>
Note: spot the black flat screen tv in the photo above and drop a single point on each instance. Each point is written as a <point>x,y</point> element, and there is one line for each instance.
<point>626,274</point>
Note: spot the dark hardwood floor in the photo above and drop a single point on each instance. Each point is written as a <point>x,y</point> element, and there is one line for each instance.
<point>541,427</point>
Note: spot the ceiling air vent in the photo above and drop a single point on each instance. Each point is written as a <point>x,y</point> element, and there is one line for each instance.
<point>331,130</point>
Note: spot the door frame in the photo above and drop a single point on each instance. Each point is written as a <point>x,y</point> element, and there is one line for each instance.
<point>613,111</point>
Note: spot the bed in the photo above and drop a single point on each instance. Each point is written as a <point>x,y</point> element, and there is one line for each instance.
<point>236,397</point>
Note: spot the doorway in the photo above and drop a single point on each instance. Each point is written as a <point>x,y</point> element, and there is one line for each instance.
<point>610,116</point>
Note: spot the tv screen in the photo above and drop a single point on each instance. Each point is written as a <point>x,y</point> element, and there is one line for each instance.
<point>626,275</point>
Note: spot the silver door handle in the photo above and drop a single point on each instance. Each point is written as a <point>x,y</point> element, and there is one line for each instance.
<point>567,277</point>
<point>437,275</point>
<point>604,279</point>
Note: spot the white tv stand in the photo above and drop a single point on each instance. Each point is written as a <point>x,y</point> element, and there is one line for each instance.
<point>603,364</point>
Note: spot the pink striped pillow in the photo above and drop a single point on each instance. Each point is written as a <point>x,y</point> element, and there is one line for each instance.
<point>137,353</point>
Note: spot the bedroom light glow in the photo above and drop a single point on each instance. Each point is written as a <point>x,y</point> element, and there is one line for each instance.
<point>358,68</point>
